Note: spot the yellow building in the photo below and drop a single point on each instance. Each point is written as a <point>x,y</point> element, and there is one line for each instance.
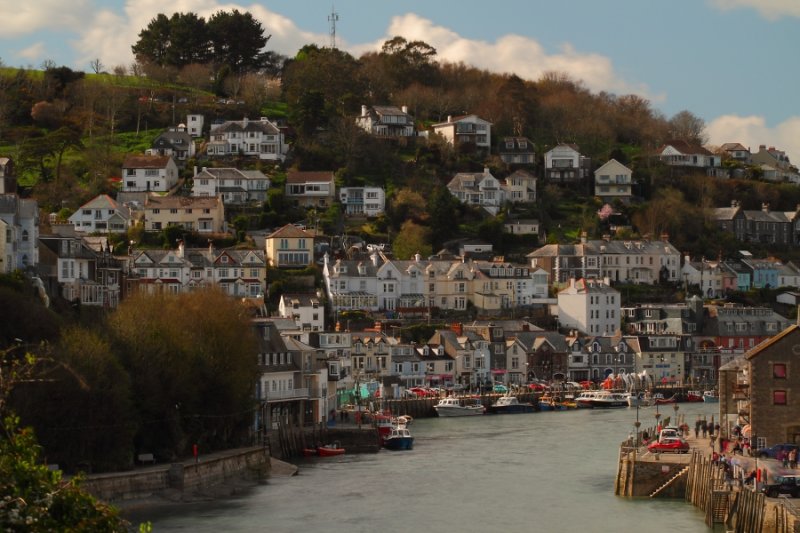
<point>290,247</point>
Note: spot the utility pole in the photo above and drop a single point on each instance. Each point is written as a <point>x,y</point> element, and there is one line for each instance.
<point>332,18</point>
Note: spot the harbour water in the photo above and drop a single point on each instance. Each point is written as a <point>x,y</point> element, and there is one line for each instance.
<point>548,472</point>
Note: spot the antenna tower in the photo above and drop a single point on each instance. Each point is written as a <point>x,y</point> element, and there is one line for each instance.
<point>332,18</point>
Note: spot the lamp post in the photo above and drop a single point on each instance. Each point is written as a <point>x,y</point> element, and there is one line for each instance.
<point>677,423</point>
<point>637,424</point>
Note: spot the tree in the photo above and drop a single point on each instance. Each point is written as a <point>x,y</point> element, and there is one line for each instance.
<point>238,41</point>
<point>688,127</point>
<point>412,239</point>
<point>96,65</point>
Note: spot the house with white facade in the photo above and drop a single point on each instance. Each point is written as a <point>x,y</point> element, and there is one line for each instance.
<point>20,222</point>
<point>149,173</point>
<point>234,186</point>
<point>362,201</point>
<point>306,310</point>
<point>564,163</point>
<point>238,273</point>
<point>480,189</point>
<point>465,130</point>
<point>520,187</point>
<point>683,154</point>
<point>386,121</point>
<point>311,188</point>
<point>101,214</point>
<point>194,125</point>
<point>613,181</point>
<point>522,226</point>
<point>192,213</point>
<point>735,151</point>
<point>253,138</point>
<point>591,306</point>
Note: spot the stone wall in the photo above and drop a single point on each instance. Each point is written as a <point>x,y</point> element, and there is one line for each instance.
<point>178,480</point>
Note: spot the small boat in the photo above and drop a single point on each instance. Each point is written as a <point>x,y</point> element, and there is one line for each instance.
<point>459,407</point>
<point>551,403</point>
<point>639,399</point>
<point>663,401</point>
<point>330,450</point>
<point>399,439</point>
<point>711,396</point>
<point>694,396</point>
<point>508,404</point>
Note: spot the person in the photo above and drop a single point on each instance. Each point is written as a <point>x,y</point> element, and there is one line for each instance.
<point>793,459</point>
<point>784,458</point>
<point>697,428</point>
<point>737,448</point>
<point>704,428</point>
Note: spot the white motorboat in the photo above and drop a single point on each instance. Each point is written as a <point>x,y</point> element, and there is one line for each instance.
<point>711,396</point>
<point>603,399</point>
<point>459,407</point>
<point>639,399</point>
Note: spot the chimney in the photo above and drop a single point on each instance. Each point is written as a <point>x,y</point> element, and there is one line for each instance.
<point>765,207</point>
<point>404,109</point>
<point>457,327</point>
<point>363,111</point>
<point>374,257</point>
<point>244,122</point>
<point>734,203</point>
<point>486,171</point>
<point>449,118</point>
<point>210,247</point>
<point>180,249</point>
<point>417,256</point>
<point>583,237</point>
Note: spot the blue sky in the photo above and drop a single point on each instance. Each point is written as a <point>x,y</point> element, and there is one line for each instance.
<point>731,62</point>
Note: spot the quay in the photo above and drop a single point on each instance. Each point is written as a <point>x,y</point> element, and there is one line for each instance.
<point>699,480</point>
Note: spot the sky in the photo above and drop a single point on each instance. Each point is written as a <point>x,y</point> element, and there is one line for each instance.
<point>727,61</point>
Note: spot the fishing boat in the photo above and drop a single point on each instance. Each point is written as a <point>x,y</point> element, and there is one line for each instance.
<point>459,407</point>
<point>508,404</point>
<point>711,396</point>
<point>663,401</point>
<point>399,439</point>
<point>694,396</point>
<point>329,450</point>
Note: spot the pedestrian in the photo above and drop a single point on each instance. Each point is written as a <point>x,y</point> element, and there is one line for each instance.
<point>793,458</point>
<point>697,428</point>
<point>704,428</point>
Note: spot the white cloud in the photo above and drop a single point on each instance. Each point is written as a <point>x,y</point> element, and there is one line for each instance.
<point>753,131</point>
<point>512,54</point>
<point>769,9</point>
<point>33,53</point>
<point>27,16</point>
<point>109,35</point>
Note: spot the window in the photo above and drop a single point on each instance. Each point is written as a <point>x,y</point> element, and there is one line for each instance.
<point>779,371</point>
<point>779,397</point>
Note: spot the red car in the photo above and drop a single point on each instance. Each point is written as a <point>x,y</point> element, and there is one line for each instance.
<point>669,445</point>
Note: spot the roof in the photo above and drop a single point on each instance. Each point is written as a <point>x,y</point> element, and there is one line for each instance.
<point>461,118</point>
<point>733,147</point>
<point>101,201</point>
<point>769,342</point>
<point>263,125</point>
<point>155,201</point>
<point>146,161</point>
<point>289,231</point>
<point>685,147</point>
<point>232,173</point>
<point>305,176</point>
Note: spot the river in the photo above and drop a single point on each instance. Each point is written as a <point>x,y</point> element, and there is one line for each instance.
<point>543,472</point>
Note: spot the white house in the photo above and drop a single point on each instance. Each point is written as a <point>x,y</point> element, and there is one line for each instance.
<point>684,154</point>
<point>521,227</point>
<point>234,186</point>
<point>256,138</point>
<point>520,187</point>
<point>306,310</point>
<point>591,306</point>
<point>101,213</point>
<point>20,226</point>
<point>369,201</point>
<point>466,129</point>
<point>479,189</point>
<point>516,151</point>
<point>194,125</point>
<point>565,163</point>
<point>156,173</point>
<point>613,181</point>
<point>386,121</point>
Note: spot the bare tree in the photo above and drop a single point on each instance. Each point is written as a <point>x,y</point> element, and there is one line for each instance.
<point>97,65</point>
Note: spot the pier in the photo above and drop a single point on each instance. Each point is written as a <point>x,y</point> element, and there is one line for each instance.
<point>697,479</point>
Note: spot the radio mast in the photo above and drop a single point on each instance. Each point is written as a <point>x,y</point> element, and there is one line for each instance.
<point>332,18</point>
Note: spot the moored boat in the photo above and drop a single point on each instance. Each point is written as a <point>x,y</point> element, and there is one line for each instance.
<point>663,401</point>
<point>639,399</point>
<point>459,407</point>
<point>603,399</point>
<point>549,402</point>
<point>399,439</point>
<point>711,396</point>
<point>508,404</point>
<point>330,450</point>
<point>694,396</point>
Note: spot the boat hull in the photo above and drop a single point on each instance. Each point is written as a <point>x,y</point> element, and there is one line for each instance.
<point>399,443</point>
<point>459,411</point>
<point>330,452</point>
<point>510,409</point>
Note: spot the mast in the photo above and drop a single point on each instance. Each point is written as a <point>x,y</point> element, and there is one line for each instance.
<point>333,18</point>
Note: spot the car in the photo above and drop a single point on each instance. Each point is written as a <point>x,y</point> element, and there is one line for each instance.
<point>777,451</point>
<point>669,445</point>
<point>783,485</point>
<point>499,387</point>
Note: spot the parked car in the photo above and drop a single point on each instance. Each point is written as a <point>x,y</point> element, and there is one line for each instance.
<point>669,445</point>
<point>783,485</point>
<point>777,451</point>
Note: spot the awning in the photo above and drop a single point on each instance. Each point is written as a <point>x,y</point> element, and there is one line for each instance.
<point>498,371</point>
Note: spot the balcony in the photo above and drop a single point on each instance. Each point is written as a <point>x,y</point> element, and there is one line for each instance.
<point>304,393</point>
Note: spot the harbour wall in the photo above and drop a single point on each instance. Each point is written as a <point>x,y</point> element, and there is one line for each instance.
<point>215,474</point>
